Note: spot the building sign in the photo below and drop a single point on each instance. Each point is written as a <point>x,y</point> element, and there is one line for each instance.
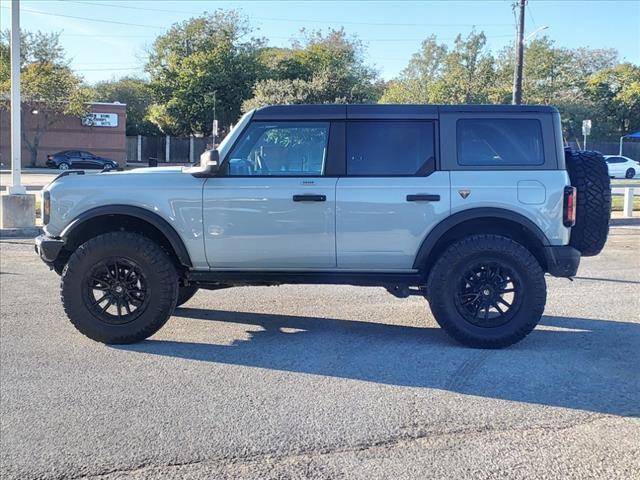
<point>100,120</point>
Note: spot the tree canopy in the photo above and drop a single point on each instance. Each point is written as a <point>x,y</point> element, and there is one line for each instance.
<point>135,92</point>
<point>197,63</point>
<point>319,68</point>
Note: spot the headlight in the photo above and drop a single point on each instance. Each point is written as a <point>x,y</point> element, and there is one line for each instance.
<point>46,207</point>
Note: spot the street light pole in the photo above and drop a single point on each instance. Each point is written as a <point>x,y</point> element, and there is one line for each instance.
<point>517,74</point>
<point>214,125</point>
<point>15,186</point>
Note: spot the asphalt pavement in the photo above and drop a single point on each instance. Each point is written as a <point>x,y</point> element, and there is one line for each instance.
<point>323,382</point>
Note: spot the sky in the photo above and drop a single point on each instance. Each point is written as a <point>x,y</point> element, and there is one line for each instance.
<point>107,39</point>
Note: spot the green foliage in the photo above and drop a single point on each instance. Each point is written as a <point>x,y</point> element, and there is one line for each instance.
<point>583,82</point>
<point>435,74</point>
<point>49,88</point>
<point>317,69</point>
<point>135,92</point>
<point>193,60</point>
<point>615,93</point>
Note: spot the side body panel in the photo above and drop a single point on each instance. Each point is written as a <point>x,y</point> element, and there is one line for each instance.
<point>168,192</point>
<point>254,223</point>
<point>536,195</point>
<point>377,228</point>
<point>534,191</point>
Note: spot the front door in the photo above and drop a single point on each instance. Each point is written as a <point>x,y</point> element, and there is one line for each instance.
<point>273,208</point>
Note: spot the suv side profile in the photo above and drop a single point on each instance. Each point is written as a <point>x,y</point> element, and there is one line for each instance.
<point>467,206</point>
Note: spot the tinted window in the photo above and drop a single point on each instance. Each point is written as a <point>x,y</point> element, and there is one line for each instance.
<point>615,160</point>
<point>498,142</point>
<point>390,148</point>
<point>281,148</point>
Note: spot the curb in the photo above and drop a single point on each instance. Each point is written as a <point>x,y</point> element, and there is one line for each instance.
<point>28,232</point>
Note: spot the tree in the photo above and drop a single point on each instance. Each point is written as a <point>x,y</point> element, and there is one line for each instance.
<point>137,95</point>
<point>198,62</point>
<point>615,93</point>
<point>435,74</point>
<point>316,69</point>
<point>49,89</point>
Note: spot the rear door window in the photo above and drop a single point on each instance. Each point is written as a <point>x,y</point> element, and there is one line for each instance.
<point>499,142</point>
<point>390,148</point>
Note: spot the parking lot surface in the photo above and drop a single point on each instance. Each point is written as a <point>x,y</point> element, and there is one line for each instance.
<point>323,382</point>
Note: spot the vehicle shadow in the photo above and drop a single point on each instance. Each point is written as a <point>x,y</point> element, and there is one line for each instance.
<point>577,363</point>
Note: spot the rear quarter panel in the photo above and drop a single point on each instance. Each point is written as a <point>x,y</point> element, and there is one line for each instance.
<point>537,195</point>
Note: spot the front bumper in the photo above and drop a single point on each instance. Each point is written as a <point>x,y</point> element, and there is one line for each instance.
<point>48,248</point>
<point>562,261</point>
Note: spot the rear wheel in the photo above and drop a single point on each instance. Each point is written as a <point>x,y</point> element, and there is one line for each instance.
<point>630,173</point>
<point>487,291</point>
<point>119,287</point>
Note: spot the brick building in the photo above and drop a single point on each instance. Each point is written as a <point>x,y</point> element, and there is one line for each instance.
<point>101,133</point>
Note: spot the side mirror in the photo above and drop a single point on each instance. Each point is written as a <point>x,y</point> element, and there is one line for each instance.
<point>209,164</point>
<point>210,160</point>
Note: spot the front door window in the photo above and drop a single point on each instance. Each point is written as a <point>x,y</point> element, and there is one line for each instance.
<point>280,149</point>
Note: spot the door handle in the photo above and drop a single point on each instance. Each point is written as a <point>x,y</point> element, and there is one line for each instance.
<point>422,197</point>
<point>309,198</point>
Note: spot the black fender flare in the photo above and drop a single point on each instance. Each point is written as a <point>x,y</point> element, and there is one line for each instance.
<point>137,212</point>
<point>456,219</point>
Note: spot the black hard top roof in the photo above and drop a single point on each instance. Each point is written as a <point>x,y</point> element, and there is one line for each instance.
<point>342,111</point>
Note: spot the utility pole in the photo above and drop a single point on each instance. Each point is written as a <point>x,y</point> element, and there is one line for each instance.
<point>15,186</point>
<point>517,74</point>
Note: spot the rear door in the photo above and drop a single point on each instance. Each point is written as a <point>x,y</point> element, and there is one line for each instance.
<point>392,195</point>
<point>274,209</point>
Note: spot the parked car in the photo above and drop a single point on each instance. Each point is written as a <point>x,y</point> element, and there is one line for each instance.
<point>621,167</point>
<point>466,206</point>
<point>79,159</point>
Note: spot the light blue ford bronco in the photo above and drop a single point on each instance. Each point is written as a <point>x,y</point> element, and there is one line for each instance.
<point>467,206</point>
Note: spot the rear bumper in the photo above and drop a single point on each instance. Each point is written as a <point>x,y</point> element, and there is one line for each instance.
<point>48,248</point>
<point>562,261</point>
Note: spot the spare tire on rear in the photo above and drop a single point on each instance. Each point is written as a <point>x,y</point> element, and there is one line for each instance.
<point>588,173</point>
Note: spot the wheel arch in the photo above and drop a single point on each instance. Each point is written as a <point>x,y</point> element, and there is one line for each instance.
<point>484,220</point>
<point>129,218</point>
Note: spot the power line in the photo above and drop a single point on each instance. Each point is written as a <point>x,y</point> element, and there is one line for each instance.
<point>298,20</point>
<point>293,38</point>
<point>38,12</point>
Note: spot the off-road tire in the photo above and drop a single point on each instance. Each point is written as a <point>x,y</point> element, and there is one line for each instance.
<point>185,294</point>
<point>449,270</point>
<point>589,174</point>
<point>160,277</point>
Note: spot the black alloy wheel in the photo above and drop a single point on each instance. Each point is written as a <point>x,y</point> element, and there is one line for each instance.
<point>488,294</point>
<point>116,291</point>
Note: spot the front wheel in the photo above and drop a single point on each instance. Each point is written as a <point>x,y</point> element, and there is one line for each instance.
<point>630,173</point>
<point>63,166</point>
<point>487,291</point>
<point>185,294</point>
<point>119,287</point>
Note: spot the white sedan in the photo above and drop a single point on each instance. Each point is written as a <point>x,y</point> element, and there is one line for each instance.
<point>621,167</point>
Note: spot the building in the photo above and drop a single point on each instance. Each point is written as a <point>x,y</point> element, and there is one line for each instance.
<point>102,132</point>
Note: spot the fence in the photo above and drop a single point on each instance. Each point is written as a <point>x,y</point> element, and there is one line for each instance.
<point>629,148</point>
<point>140,149</point>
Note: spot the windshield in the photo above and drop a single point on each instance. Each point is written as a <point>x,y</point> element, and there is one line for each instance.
<point>226,143</point>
